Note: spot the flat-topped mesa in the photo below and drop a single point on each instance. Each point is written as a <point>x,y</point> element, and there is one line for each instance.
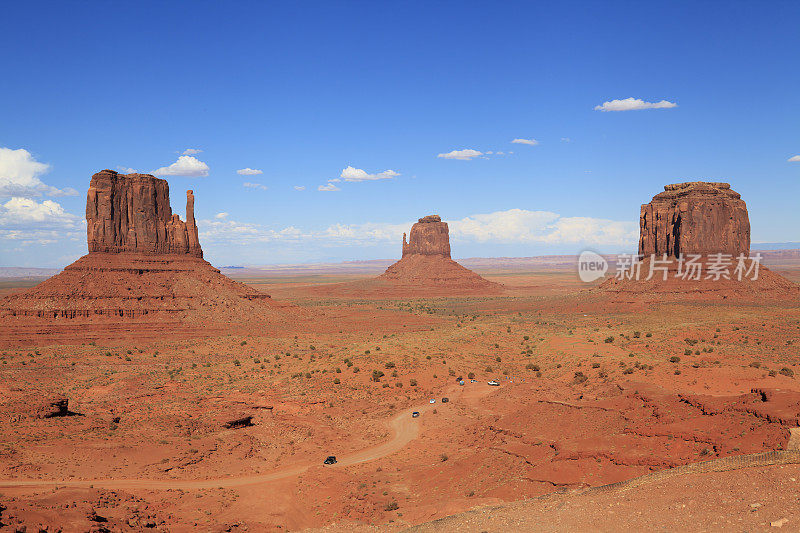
<point>429,236</point>
<point>695,217</point>
<point>132,213</point>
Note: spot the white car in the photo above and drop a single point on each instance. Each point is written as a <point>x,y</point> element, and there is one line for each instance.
<point>493,383</point>
<point>433,400</point>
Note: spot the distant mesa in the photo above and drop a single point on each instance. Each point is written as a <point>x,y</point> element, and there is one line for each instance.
<point>426,264</point>
<point>694,218</point>
<point>702,219</point>
<point>144,262</point>
<point>429,236</point>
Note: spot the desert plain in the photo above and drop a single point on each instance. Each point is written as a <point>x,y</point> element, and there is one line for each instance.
<point>225,428</point>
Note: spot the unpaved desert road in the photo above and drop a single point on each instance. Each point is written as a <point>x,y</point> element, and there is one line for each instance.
<point>404,429</point>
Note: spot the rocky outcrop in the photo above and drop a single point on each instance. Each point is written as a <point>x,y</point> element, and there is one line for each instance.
<point>132,213</point>
<point>694,218</point>
<point>429,236</point>
<point>426,266</point>
<point>144,263</point>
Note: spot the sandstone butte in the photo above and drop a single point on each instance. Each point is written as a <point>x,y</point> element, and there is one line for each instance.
<point>143,262</point>
<point>426,264</point>
<point>698,218</point>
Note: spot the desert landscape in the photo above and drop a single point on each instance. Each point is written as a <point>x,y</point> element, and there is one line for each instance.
<point>354,267</point>
<point>143,389</point>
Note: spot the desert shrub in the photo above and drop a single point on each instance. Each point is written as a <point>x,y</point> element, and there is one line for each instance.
<point>628,371</point>
<point>377,375</point>
<point>471,375</point>
<point>674,359</point>
<point>336,381</point>
<point>636,334</point>
<point>772,373</point>
<point>444,457</point>
<point>237,362</point>
<point>609,340</point>
<point>788,372</point>
<point>755,364</point>
<point>390,364</point>
<point>391,506</point>
<point>412,382</point>
<point>648,335</point>
<point>687,352</point>
<point>595,365</point>
<point>489,369</point>
<point>531,366</point>
<point>579,377</point>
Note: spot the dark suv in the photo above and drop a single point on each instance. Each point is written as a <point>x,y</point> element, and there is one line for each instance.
<point>331,460</point>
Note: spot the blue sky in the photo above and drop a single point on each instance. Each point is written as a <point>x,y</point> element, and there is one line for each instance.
<point>301,91</point>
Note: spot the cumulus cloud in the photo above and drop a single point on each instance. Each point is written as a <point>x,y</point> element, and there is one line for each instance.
<point>328,188</point>
<point>633,104</point>
<point>186,166</point>
<point>545,227</point>
<point>513,226</point>
<point>299,187</point>
<point>356,174</point>
<point>529,142</point>
<point>25,213</point>
<point>249,171</point>
<point>251,185</point>
<point>794,159</point>
<point>19,176</point>
<point>463,155</point>
<point>191,151</point>
<point>220,216</point>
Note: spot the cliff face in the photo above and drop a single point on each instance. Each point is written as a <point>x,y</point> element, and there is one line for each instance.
<point>132,213</point>
<point>694,218</point>
<point>429,236</point>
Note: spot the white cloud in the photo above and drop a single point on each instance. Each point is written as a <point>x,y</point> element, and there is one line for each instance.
<point>529,142</point>
<point>191,151</point>
<point>633,104</point>
<point>220,216</point>
<point>249,171</point>
<point>299,187</point>
<point>566,140</point>
<point>513,226</point>
<point>328,188</point>
<point>19,176</point>
<point>251,185</point>
<point>25,213</point>
<point>523,226</point>
<point>794,159</point>
<point>127,170</point>
<point>186,166</point>
<point>463,155</point>
<point>356,174</point>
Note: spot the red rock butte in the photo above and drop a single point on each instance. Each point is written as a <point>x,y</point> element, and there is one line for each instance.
<point>694,218</point>
<point>705,219</point>
<point>426,264</point>
<point>132,213</point>
<point>144,262</point>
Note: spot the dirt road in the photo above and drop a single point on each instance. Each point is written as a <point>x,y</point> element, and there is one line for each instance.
<point>404,429</point>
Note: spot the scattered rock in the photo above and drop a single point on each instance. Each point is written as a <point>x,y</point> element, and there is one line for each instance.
<point>237,423</point>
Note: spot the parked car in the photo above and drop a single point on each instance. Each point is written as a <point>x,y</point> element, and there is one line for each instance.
<point>433,400</point>
<point>473,381</point>
<point>493,383</point>
<point>461,382</point>
<point>415,414</point>
<point>331,460</point>
<point>445,400</point>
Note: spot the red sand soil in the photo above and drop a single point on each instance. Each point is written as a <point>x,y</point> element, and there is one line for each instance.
<point>591,392</point>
